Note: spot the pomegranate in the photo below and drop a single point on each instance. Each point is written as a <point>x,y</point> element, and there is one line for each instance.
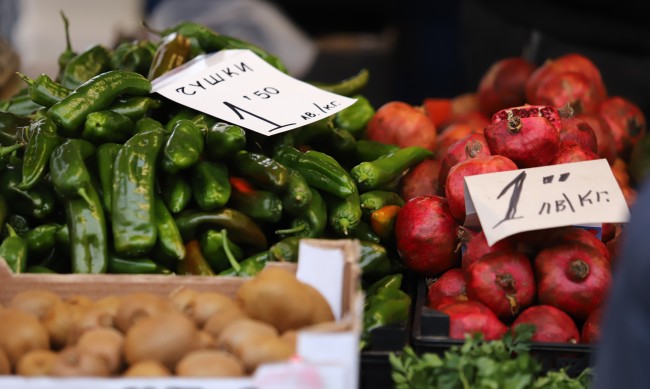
<point>450,135</point>
<point>421,179</point>
<point>620,172</point>
<point>528,135</point>
<point>471,317</point>
<point>448,288</point>
<point>604,138</point>
<point>402,124</point>
<point>573,277</point>
<point>577,234</point>
<point>551,324</point>
<point>470,146</point>
<point>573,153</point>
<point>503,281</point>
<point>590,331</point>
<point>568,88</point>
<point>502,85</point>
<point>438,110</point>
<point>464,105</point>
<point>426,235</point>
<point>626,122</point>
<point>454,184</point>
<point>579,132</point>
<point>474,246</point>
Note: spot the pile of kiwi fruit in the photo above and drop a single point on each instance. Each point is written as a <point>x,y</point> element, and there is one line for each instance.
<point>186,333</point>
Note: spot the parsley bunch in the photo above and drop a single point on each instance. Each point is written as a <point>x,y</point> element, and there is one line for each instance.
<point>479,364</point>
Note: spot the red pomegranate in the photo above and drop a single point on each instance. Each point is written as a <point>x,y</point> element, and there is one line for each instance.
<point>449,135</point>
<point>566,89</point>
<point>426,235</point>
<point>503,281</point>
<point>471,146</point>
<point>502,85</point>
<point>552,325</point>
<point>578,234</point>
<point>471,317</point>
<point>448,288</point>
<point>604,138</point>
<point>626,122</point>
<point>573,153</point>
<point>590,331</point>
<point>438,110</point>
<point>474,245</point>
<point>421,179</point>
<point>573,277</point>
<point>579,132</point>
<point>528,135</point>
<point>454,184</point>
<point>402,124</point>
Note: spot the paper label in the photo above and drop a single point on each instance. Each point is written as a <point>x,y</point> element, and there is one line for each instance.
<point>579,193</point>
<point>239,87</point>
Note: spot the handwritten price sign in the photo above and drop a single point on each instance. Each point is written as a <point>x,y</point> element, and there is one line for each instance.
<point>239,87</point>
<point>510,202</point>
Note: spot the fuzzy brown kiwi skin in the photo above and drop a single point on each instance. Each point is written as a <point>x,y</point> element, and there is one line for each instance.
<point>5,364</point>
<point>34,301</point>
<point>58,321</point>
<point>217,322</point>
<point>147,368</point>
<point>20,333</point>
<point>107,343</point>
<point>139,305</point>
<point>209,363</point>
<point>243,331</point>
<point>36,363</point>
<point>72,362</point>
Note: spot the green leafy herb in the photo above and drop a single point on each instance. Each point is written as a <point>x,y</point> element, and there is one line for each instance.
<point>480,364</point>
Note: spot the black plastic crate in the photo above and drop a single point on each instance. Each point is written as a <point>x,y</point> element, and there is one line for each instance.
<point>430,330</point>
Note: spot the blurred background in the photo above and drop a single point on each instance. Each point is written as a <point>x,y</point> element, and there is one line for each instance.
<point>413,49</point>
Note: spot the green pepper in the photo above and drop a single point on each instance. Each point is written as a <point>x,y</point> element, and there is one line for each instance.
<point>262,171</point>
<point>355,117</point>
<point>106,154</point>
<point>143,265</point>
<point>107,126</point>
<point>134,107</point>
<point>94,95</point>
<point>21,105</point>
<point>38,201</point>
<point>176,192</point>
<point>210,185</point>
<point>215,246</point>
<point>373,260</point>
<point>285,250</point>
<point>362,231</point>
<point>390,281</point>
<point>134,56</point>
<point>170,241</point>
<point>41,144</point>
<point>69,174</point>
<point>370,150</point>
<point>39,269</point>
<point>249,267</point>
<point>148,124</point>
<point>320,170</point>
<point>375,174</point>
<point>41,239</point>
<point>260,205</point>
<point>298,195</point>
<point>13,250</point>
<point>349,86</point>
<point>194,262</point>
<point>20,223</point>
<point>386,307</point>
<point>376,199</point>
<point>172,52</point>
<point>44,91</point>
<point>344,214</point>
<point>183,147</point>
<point>133,207</point>
<point>382,221</point>
<point>182,113</point>
<point>12,128</point>
<point>223,141</point>
<point>4,209</point>
<point>82,67</point>
<point>204,122</point>
<point>312,222</point>
<point>68,53</point>
<point>240,227</point>
<point>325,137</point>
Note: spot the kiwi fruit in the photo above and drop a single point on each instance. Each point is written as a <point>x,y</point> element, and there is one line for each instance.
<point>206,304</point>
<point>204,340</point>
<point>217,322</point>
<point>209,363</point>
<point>147,368</point>
<point>264,350</point>
<point>21,332</point>
<point>58,320</point>
<point>107,343</point>
<point>291,338</point>
<point>322,312</point>
<point>73,362</point>
<point>164,337</point>
<point>79,300</point>
<point>5,365</point>
<point>36,363</point>
<point>34,301</point>
<point>136,306</point>
<point>182,298</point>
<point>242,331</point>
<point>89,318</point>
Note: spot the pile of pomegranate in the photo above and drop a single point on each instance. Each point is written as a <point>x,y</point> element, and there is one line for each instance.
<point>521,116</point>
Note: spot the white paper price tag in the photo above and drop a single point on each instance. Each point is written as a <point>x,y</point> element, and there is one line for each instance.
<point>580,193</point>
<point>239,87</point>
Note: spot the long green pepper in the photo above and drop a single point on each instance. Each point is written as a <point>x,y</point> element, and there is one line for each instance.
<point>85,65</point>
<point>183,148</point>
<point>133,209</point>
<point>42,142</point>
<point>14,251</point>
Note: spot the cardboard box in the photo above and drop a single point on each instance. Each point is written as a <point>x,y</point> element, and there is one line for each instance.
<point>326,358</point>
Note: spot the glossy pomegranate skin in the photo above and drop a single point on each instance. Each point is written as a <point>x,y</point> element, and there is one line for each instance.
<point>449,287</point>
<point>573,277</point>
<point>552,325</point>
<point>474,245</point>
<point>576,131</point>
<point>573,153</point>
<point>503,84</point>
<point>605,145</point>
<point>402,124</point>
<point>426,235</point>
<point>626,122</point>
<point>422,179</point>
<point>568,88</point>
<point>470,317</point>
<point>471,146</point>
<point>503,281</point>
<point>590,331</point>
